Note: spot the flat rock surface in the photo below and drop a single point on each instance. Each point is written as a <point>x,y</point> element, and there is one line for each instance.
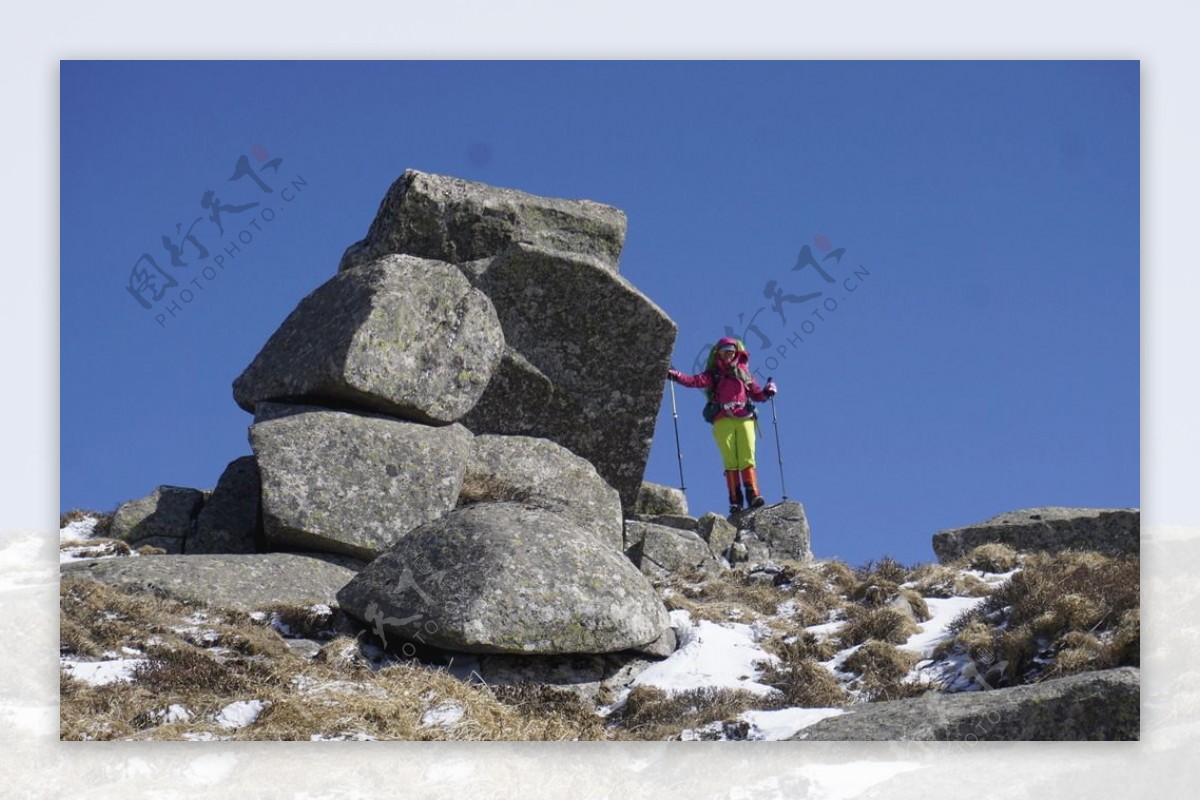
<point>454,220</point>
<point>1102,705</point>
<point>248,581</point>
<point>1051,529</point>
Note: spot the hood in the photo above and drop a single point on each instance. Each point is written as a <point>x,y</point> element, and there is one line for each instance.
<point>741,360</point>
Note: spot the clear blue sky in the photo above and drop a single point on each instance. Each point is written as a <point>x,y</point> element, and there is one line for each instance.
<point>987,358</point>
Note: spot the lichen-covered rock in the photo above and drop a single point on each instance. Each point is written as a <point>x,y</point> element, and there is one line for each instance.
<point>1051,529</point>
<point>231,520</point>
<point>662,550</point>
<point>163,519</point>
<point>445,218</point>
<point>719,533</point>
<point>247,581</point>
<point>353,483</point>
<point>1101,705</point>
<point>568,318</point>
<point>541,473</point>
<point>782,528</point>
<point>658,499</point>
<point>507,578</point>
<point>404,336</point>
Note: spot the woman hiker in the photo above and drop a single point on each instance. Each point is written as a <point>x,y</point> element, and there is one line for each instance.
<point>730,388</point>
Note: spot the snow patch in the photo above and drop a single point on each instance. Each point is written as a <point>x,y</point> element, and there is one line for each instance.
<point>241,714</point>
<point>709,655</point>
<point>446,715</point>
<point>780,724</point>
<point>106,671</point>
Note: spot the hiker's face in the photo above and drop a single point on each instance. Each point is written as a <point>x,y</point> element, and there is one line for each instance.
<point>725,355</point>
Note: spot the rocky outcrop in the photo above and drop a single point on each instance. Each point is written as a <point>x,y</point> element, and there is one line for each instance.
<point>660,550</point>
<point>1052,529</point>
<point>603,407</point>
<point>658,499</point>
<point>405,336</point>
<point>1103,705</point>
<point>231,520</point>
<point>781,530</point>
<point>507,578</point>
<point>247,581</point>
<point>719,533</point>
<point>538,472</point>
<point>351,483</point>
<point>163,519</point>
<point>445,218</point>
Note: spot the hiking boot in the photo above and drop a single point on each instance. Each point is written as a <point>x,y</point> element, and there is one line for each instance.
<point>750,479</point>
<point>734,485</point>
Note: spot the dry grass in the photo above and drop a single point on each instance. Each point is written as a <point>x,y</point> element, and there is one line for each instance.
<point>792,647</point>
<point>653,714</point>
<point>479,487</point>
<point>886,569</point>
<point>813,591</point>
<point>885,624</point>
<point>992,557</point>
<point>945,581</point>
<point>1075,611</point>
<point>882,668</point>
<point>804,683</point>
<point>204,659</point>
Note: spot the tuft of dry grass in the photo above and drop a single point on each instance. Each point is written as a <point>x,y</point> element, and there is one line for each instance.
<point>882,668</point>
<point>793,647</point>
<point>991,557</point>
<point>945,581</point>
<point>886,569</point>
<point>803,682</point>
<point>482,487</point>
<point>884,624</point>
<point>653,714</point>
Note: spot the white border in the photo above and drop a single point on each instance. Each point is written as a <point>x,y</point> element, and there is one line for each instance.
<point>35,764</point>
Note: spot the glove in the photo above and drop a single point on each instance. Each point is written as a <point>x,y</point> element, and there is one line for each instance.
<point>674,375</point>
<point>770,389</point>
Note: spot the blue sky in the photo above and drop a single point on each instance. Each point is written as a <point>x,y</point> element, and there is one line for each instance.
<point>987,358</point>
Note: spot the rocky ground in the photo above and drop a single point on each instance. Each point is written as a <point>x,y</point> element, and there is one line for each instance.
<point>766,650</point>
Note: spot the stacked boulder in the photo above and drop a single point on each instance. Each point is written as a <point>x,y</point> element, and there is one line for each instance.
<point>443,419</point>
<point>444,447</point>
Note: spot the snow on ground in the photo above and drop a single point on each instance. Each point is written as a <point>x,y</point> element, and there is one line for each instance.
<point>943,611</point>
<point>78,530</point>
<point>709,655</point>
<point>780,724</point>
<point>105,671</point>
<point>240,714</point>
<point>446,714</point>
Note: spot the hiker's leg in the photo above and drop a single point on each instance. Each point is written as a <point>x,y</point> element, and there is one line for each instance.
<point>725,433</point>
<point>745,448</point>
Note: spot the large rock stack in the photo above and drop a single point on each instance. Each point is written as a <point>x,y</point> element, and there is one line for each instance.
<point>447,406</point>
<point>443,429</point>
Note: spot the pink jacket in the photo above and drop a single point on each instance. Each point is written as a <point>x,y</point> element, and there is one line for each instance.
<point>729,391</point>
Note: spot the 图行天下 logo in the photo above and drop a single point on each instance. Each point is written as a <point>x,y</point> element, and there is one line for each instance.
<point>229,218</point>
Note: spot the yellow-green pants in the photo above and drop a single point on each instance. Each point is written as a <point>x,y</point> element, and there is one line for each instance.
<point>735,438</point>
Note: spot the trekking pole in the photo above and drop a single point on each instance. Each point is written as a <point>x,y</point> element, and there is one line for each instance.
<point>778,449</point>
<point>678,447</point>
